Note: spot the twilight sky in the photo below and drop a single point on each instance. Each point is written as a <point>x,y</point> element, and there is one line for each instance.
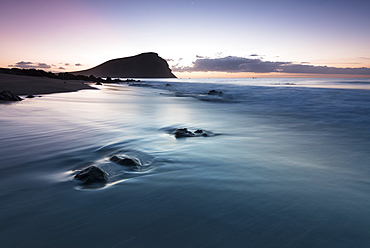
<point>225,38</point>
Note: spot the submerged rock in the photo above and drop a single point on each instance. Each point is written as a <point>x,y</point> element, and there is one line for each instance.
<point>126,161</point>
<point>131,80</point>
<point>92,174</point>
<point>7,95</point>
<point>215,92</point>
<point>183,132</point>
<point>140,85</point>
<point>201,133</point>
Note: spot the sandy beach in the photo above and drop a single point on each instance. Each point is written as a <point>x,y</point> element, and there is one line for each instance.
<point>28,85</point>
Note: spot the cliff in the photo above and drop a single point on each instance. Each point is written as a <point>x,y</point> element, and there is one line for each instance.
<point>145,65</point>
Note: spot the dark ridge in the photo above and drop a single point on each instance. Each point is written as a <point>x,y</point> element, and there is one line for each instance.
<point>41,73</point>
<point>145,65</point>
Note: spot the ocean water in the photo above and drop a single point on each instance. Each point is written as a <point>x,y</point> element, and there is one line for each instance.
<point>287,165</point>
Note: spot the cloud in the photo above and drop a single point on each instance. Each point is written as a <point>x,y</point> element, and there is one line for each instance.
<point>30,65</point>
<point>70,64</point>
<point>234,64</point>
<point>23,63</point>
<point>231,64</point>
<point>256,55</point>
<point>43,65</point>
<point>61,68</point>
<point>310,69</point>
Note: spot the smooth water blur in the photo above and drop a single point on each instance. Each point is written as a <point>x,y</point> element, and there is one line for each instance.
<point>288,166</point>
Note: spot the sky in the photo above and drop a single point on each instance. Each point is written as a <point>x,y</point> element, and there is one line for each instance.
<point>234,38</point>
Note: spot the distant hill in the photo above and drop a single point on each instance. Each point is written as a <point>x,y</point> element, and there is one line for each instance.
<point>145,65</point>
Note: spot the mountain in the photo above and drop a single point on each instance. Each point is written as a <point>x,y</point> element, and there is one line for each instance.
<point>145,65</point>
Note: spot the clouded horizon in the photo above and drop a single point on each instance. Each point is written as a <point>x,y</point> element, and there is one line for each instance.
<point>199,37</point>
<point>233,64</point>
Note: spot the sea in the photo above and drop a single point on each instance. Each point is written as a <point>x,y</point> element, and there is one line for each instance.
<point>285,163</point>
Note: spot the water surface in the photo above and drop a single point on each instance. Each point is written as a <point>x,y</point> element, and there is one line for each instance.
<point>288,166</point>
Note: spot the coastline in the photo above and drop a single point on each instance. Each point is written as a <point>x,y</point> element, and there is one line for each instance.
<point>30,85</point>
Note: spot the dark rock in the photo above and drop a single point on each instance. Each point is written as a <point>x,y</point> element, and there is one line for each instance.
<point>98,83</point>
<point>183,132</point>
<point>168,85</point>
<point>140,85</point>
<point>131,80</point>
<point>7,95</point>
<point>126,161</point>
<point>215,92</point>
<point>201,133</point>
<point>92,174</point>
<point>145,65</point>
<point>30,96</point>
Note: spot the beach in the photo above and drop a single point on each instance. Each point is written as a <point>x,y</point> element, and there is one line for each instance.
<point>285,164</point>
<point>29,85</point>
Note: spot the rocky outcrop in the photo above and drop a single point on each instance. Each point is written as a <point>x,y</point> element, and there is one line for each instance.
<point>126,161</point>
<point>140,85</point>
<point>215,93</point>
<point>145,65</point>
<point>184,132</point>
<point>92,174</point>
<point>7,95</point>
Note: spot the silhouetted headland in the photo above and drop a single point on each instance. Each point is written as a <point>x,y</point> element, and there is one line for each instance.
<point>145,65</point>
<point>16,81</point>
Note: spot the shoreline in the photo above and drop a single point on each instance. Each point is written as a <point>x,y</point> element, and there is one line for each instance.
<point>31,85</point>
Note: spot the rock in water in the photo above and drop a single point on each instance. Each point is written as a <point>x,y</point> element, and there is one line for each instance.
<point>92,174</point>
<point>7,95</point>
<point>201,132</point>
<point>183,132</point>
<point>215,92</point>
<point>126,161</point>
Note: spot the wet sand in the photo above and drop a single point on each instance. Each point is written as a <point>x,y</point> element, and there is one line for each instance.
<point>28,85</point>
